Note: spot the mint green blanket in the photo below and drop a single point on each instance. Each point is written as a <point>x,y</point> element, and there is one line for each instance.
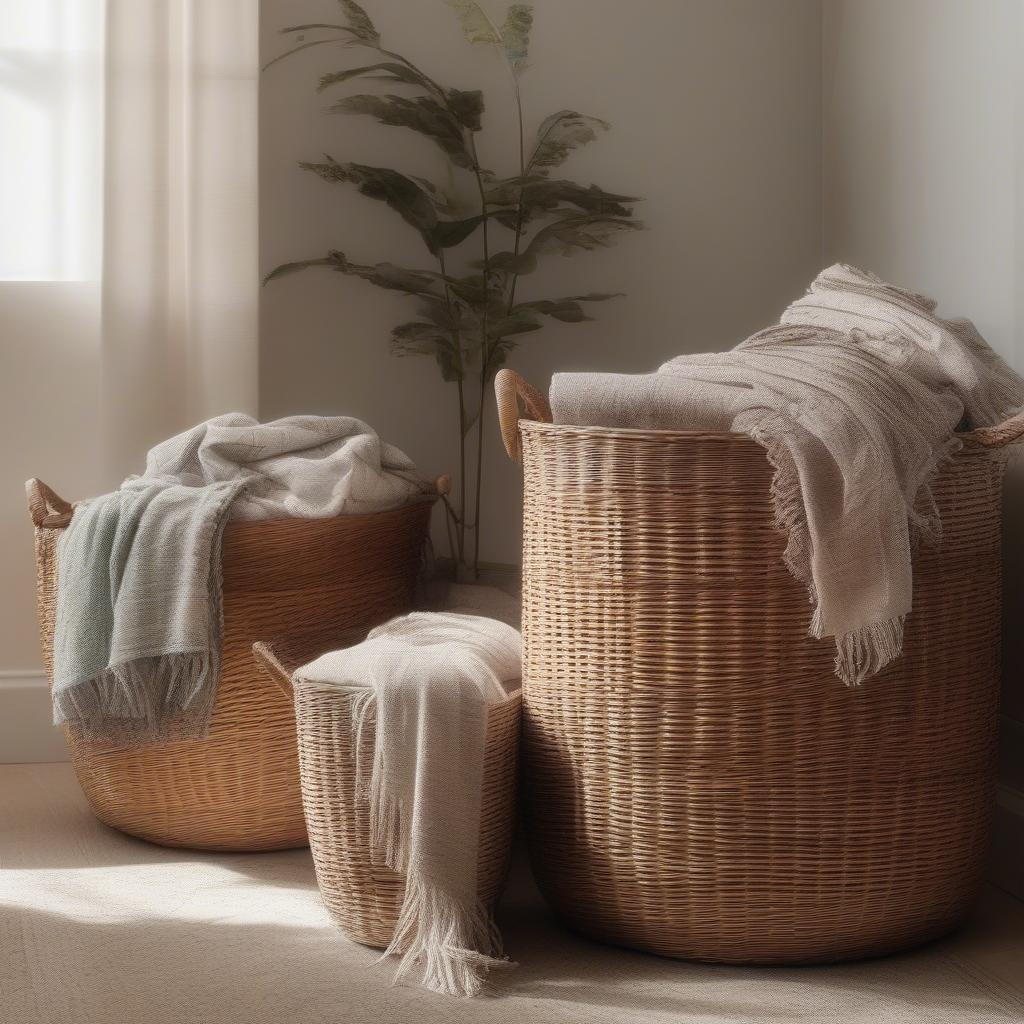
<point>138,632</point>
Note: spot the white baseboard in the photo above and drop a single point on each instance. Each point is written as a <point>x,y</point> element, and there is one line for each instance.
<point>27,732</point>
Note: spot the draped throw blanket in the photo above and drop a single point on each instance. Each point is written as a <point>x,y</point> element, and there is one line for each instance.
<point>312,467</point>
<point>138,630</point>
<point>427,680</point>
<point>137,637</point>
<point>855,397</point>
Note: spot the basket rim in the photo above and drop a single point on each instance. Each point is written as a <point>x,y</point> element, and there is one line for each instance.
<point>969,439</point>
<point>235,527</point>
<point>346,693</point>
<point>305,522</point>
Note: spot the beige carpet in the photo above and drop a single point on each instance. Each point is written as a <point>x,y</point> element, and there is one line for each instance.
<point>97,928</point>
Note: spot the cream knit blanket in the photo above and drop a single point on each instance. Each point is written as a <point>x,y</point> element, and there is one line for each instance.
<point>310,467</point>
<point>426,680</point>
<point>855,397</point>
<point>138,631</point>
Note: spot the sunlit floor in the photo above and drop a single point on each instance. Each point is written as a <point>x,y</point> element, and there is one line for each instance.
<point>96,927</point>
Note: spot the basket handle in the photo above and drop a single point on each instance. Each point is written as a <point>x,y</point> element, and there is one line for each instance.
<point>998,436</point>
<point>517,400</point>
<point>269,661</point>
<point>47,508</point>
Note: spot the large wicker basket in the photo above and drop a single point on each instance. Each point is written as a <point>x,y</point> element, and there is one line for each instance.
<point>238,789</point>
<point>363,897</point>
<point>697,782</point>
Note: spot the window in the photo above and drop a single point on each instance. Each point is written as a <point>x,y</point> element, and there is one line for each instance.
<point>50,139</point>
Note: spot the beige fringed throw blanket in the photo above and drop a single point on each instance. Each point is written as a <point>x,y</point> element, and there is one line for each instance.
<point>855,397</point>
<point>137,638</point>
<point>427,680</point>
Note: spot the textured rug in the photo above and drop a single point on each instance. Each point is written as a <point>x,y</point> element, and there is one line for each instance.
<point>97,928</point>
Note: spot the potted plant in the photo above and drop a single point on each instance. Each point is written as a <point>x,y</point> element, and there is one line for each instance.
<point>471,312</point>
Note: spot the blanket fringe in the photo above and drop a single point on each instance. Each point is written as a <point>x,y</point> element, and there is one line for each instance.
<point>787,498</point>
<point>868,650</point>
<point>454,941</point>
<point>148,700</point>
<point>455,946</point>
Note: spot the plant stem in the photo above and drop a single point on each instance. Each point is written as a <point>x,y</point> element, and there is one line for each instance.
<point>458,552</point>
<point>460,533</point>
<point>485,355</point>
<point>479,476</point>
<point>522,186</point>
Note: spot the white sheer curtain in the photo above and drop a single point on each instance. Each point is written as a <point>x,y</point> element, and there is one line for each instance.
<point>128,258</point>
<point>179,274</point>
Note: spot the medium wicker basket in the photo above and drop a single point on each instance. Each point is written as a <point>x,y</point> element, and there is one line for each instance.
<point>238,789</point>
<point>697,782</point>
<point>364,897</point>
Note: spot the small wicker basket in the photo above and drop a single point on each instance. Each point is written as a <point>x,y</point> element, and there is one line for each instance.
<point>363,897</point>
<point>238,789</point>
<point>696,780</point>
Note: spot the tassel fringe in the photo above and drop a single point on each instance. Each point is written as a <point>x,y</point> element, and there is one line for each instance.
<point>867,650</point>
<point>454,941</point>
<point>454,945</point>
<point>148,700</point>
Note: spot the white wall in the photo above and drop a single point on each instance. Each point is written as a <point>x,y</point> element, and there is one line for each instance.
<point>924,178</point>
<point>48,405</point>
<point>715,106</point>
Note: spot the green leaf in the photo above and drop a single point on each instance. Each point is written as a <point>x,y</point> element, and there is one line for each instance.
<point>315,24</point>
<point>472,289</point>
<point>442,200</point>
<point>384,275</point>
<point>306,46</point>
<point>412,203</point>
<point>415,200</point>
<point>438,335</point>
<point>449,233</point>
<point>516,322</point>
<point>541,195</point>
<point>515,34</point>
<point>549,194</point>
<point>393,73</point>
<point>442,314</point>
<point>511,263</point>
<point>579,231</point>
<point>419,338</point>
<point>359,22</point>
<point>502,334</point>
<point>293,268</point>
<point>422,114</point>
<point>426,339</point>
<point>559,135</point>
<point>568,310</point>
<point>507,218</point>
<point>570,232</point>
<point>476,25</point>
<point>387,275</point>
<point>468,107</point>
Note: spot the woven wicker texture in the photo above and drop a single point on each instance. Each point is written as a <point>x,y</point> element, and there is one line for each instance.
<point>364,898</point>
<point>697,782</point>
<point>239,788</point>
